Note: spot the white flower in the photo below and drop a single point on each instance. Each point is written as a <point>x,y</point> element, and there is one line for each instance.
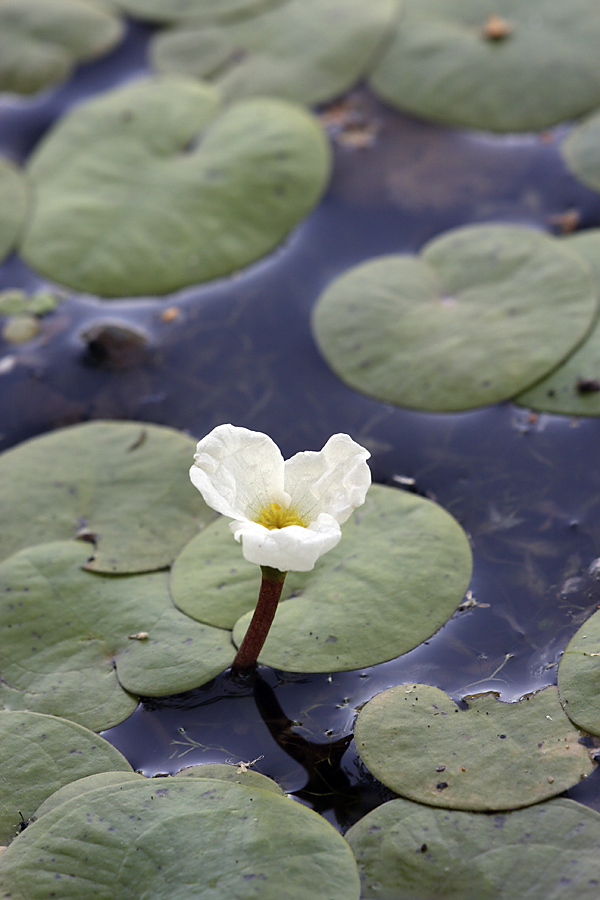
<point>285,513</point>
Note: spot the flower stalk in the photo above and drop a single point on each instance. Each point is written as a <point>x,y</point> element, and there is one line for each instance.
<point>255,637</point>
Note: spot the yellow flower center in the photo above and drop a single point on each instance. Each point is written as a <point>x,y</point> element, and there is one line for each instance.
<point>274,516</point>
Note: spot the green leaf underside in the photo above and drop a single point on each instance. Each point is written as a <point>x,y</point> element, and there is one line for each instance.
<point>547,852</point>
<point>309,51</point>
<point>166,837</point>
<point>193,10</point>
<point>397,575</point>
<point>483,313</point>
<point>125,483</point>
<point>13,205</point>
<point>491,756</point>
<point>574,388</point>
<point>441,66</point>
<point>68,645</point>
<point>154,186</point>
<point>38,755</point>
<point>579,676</point>
<point>41,41</point>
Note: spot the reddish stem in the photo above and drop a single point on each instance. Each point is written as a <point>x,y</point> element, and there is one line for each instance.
<point>270,592</point>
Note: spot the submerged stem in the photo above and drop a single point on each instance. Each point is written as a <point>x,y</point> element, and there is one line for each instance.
<point>270,592</point>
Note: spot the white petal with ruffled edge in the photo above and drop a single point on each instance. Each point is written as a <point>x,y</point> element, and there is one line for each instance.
<point>238,471</point>
<point>290,549</point>
<point>333,480</point>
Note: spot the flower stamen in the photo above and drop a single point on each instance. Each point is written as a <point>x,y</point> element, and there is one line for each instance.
<point>275,516</point>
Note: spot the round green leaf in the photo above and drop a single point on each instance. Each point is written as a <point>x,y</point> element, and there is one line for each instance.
<point>193,10</point>
<point>581,151</point>
<point>82,786</point>
<point>240,774</point>
<point>154,186</point>
<point>485,312</point>
<point>13,202</point>
<point>445,64</point>
<point>491,756</point>
<point>579,676</point>
<point>177,838</point>
<point>548,852</point>
<point>574,388</point>
<point>81,645</point>
<point>309,51</point>
<point>42,40</point>
<point>397,575</point>
<point>123,486</point>
<point>38,755</point>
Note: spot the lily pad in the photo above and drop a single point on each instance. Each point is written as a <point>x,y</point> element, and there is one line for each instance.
<point>309,51</point>
<point>83,785</point>
<point>490,756</point>
<point>486,64</point>
<point>239,774</point>
<point>13,203</point>
<point>574,388</point>
<point>485,312</point>
<point>398,574</point>
<point>155,186</point>
<point>547,852</point>
<point>581,151</point>
<point>123,486</point>
<point>83,646</point>
<point>194,10</point>
<point>157,838</point>
<point>579,676</point>
<point>41,41</point>
<point>38,755</point>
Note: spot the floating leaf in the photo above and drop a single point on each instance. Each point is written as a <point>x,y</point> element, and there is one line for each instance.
<point>178,837</point>
<point>81,645</point>
<point>82,785</point>
<point>581,151</point>
<point>154,186</point>
<point>41,41</point>
<point>13,202</point>
<point>15,301</point>
<point>20,329</point>
<point>548,852</point>
<point>309,51</point>
<point>485,64</point>
<point>574,388</point>
<point>491,756</point>
<point>38,755</point>
<point>192,10</point>
<point>579,676</point>
<point>121,485</point>
<point>485,312</point>
<point>240,774</point>
<point>398,574</point>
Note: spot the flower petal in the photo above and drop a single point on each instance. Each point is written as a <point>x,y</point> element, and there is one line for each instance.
<point>238,471</point>
<point>291,549</point>
<point>334,480</point>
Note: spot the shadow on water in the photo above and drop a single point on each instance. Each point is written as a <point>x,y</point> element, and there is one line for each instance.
<point>525,487</point>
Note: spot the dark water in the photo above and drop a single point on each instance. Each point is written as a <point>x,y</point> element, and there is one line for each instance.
<point>526,488</point>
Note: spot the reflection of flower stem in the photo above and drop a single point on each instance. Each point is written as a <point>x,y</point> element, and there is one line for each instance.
<point>270,592</point>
